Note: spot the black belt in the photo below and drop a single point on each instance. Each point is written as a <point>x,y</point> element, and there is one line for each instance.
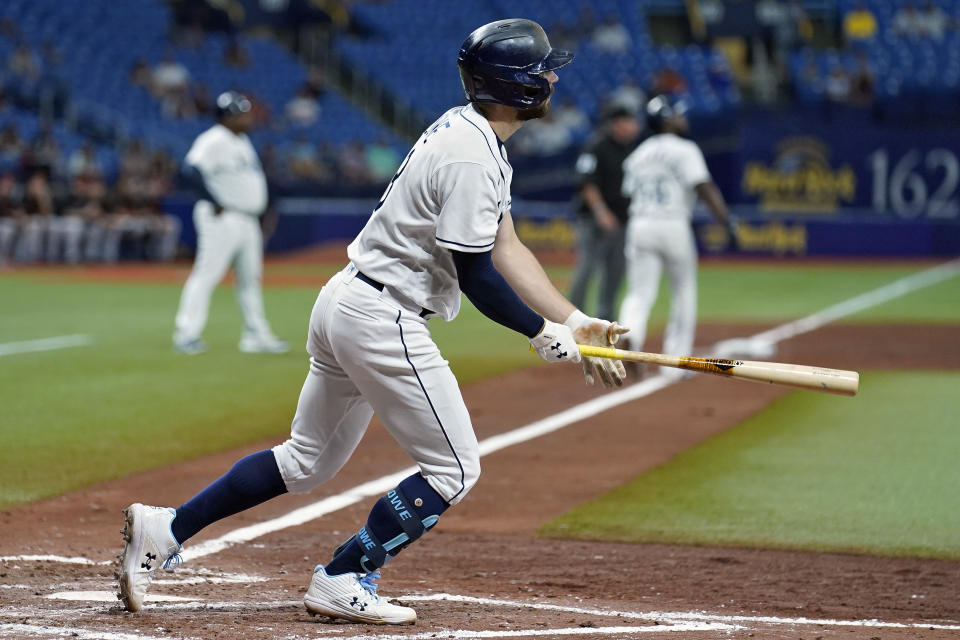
<point>424,312</point>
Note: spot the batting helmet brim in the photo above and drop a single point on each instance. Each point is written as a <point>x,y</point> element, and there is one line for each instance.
<point>556,59</point>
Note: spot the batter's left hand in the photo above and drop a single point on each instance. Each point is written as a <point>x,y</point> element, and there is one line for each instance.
<point>598,333</point>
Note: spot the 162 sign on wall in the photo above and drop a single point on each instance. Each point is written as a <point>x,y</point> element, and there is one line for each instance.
<point>916,183</point>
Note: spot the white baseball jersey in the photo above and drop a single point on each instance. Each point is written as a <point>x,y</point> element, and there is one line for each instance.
<point>231,169</point>
<point>660,175</point>
<point>450,192</point>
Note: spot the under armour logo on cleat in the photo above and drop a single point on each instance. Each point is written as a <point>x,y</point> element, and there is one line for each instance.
<point>150,558</point>
<point>560,354</point>
<point>359,605</point>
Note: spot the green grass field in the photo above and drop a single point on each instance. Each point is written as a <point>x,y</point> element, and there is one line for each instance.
<point>77,416</point>
<point>815,472</point>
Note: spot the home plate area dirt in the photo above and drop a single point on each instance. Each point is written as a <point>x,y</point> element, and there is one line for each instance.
<point>482,573</point>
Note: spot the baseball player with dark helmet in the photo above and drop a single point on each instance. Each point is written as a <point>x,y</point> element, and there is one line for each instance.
<point>663,178</point>
<point>224,169</point>
<point>442,227</point>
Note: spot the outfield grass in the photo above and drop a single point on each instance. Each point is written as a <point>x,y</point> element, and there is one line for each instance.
<point>76,416</point>
<point>875,475</point>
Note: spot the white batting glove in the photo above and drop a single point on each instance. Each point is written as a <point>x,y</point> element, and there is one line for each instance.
<point>555,343</point>
<point>598,333</point>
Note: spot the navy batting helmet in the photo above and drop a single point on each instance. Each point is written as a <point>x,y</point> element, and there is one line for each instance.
<point>662,108</point>
<point>231,103</point>
<point>503,63</point>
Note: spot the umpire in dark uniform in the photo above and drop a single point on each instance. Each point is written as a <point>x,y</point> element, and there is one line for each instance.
<point>602,211</point>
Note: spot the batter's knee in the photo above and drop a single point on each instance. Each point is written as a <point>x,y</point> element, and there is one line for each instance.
<point>301,466</point>
<point>453,482</point>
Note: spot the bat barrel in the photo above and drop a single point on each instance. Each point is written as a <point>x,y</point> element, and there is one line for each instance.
<point>837,381</point>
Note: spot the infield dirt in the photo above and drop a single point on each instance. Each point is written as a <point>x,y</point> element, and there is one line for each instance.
<point>485,547</point>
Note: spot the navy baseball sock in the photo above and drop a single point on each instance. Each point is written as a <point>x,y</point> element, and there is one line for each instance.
<point>383,523</point>
<point>251,481</point>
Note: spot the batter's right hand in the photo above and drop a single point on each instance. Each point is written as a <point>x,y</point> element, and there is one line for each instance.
<point>598,333</point>
<point>555,343</point>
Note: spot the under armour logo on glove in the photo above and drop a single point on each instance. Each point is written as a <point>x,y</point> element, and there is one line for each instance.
<point>555,343</point>
<point>359,605</point>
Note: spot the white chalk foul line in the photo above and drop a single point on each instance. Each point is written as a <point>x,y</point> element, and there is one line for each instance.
<point>24,630</point>
<point>51,558</point>
<point>45,344</point>
<point>462,634</point>
<point>672,617</point>
<point>872,298</point>
<point>574,414</point>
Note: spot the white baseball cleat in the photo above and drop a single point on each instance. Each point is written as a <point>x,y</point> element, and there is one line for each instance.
<point>353,596</point>
<point>190,347</point>
<point>250,343</point>
<point>150,544</point>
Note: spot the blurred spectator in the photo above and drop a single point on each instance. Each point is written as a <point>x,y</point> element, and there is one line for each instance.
<point>303,162</point>
<point>135,162</point>
<point>83,163</point>
<point>907,21</point>
<point>235,56</point>
<point>562,36</point>
<point>786,26</point>
<point>303,109</point>
<point>352,163</point>
<point>628,95</point>
<point>316,81</point>
<point>383,160</point>
<point>837,85</point>
<point>202,100</point>
<point>859,24</point>
<point>611,36</point>
<point>935,21</point>
<point>169,76</point>
<point>159,179</point>
<point>932,22</point>
<point>39,209</point>
<point>9,29</point>
<point>862,83</point>
<point>262,114</point>
<point>812,77</point>
<point>11,145</point>
<point>586,23</point>
<point>669,81</point>
<point>44,151</point>
<point>11,215</point>
<point>24,62</point>
<point>140,74</point>
<point>85,203</point>
<point>544,137</point>
<point>571,116</point>
<point>50,55</point>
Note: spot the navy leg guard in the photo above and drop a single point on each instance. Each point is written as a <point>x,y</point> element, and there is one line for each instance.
<point>397,520</point>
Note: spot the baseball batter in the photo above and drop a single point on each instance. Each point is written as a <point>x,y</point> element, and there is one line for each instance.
<point>443,227</point>
<point>226,171</point>
<point>663,178</point>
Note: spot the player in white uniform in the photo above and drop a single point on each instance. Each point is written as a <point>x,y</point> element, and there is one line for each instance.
<point>226,171</point>
<point>663,178</point>
<point>442,227</point>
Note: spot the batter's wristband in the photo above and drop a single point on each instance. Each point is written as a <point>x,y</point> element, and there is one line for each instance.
<point>576,318</point>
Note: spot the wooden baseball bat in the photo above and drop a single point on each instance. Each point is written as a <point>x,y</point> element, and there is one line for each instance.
<point>837,381</point>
